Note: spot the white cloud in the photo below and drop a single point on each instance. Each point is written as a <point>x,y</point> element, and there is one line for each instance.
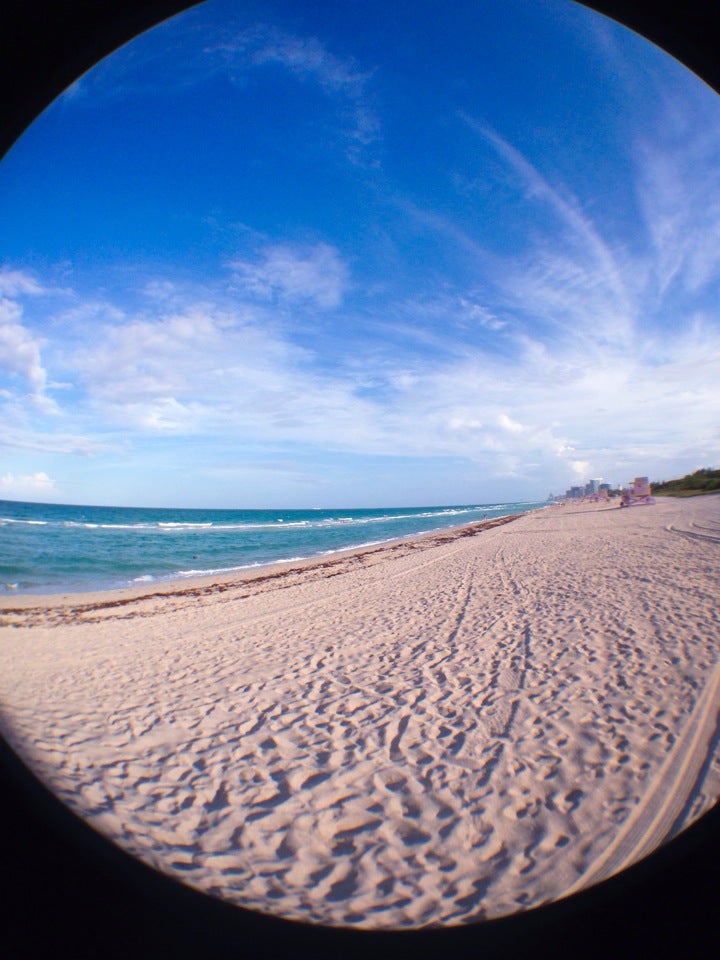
<point>230,373</point>
<point>19,349</point>
<point>205,369</point>
<point>512,426</point>
<point>230,376</point>
<point>16,282</point>
<point>296,274</point>
<point>18,487</point>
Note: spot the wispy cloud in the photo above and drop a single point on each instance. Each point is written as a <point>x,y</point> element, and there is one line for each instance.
<point>571,276</point>
<point>26,437</point>
<point>294,273</point>
<point>232,49</point>
<point>308,59</point>
<point>16,282</point>
<point>680,197</point>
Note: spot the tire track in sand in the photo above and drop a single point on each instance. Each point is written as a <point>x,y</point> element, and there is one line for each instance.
<point>692,535</point>
<point>652,821</point>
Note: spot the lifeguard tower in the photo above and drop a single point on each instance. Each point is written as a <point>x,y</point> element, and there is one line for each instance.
<point>637,493</point>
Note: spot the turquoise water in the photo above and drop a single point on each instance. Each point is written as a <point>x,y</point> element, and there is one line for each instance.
<point>53,548</point>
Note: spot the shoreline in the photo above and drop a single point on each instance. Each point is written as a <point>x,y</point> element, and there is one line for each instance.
<point>220,582</point>
<point>217,558</point>
<point>435,732</point>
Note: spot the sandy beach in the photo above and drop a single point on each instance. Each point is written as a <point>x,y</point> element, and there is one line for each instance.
<point>436,731</point>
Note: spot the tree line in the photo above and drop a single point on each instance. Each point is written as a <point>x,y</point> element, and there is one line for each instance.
<point>701,481</point>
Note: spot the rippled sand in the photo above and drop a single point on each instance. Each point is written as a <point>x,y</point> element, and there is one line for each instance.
<point>432,732</point>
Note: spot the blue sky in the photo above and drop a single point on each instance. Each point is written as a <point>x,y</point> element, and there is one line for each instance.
<point>323,254</point>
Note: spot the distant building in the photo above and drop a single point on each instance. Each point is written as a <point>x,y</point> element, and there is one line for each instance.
<point>592,488</point>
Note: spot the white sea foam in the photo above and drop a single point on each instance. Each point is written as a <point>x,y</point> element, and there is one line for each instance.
<point>127,526</point>
<point>182,525</point>
<point>214,571</point>
<point>31,523</point>
<point>360,546</point>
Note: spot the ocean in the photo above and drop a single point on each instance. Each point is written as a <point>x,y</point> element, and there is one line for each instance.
<point>54,548</point>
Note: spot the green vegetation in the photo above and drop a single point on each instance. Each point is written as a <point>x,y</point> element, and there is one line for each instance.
<point>691,485</point>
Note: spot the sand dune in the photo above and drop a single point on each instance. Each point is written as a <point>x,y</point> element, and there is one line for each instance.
<point>433,732</point>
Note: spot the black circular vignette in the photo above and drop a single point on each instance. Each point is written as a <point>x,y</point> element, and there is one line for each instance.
<point>67,892</point>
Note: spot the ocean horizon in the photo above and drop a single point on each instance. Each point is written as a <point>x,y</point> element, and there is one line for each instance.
<point>63,548</point>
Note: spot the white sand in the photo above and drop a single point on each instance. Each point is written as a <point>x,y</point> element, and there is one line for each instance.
<point>443,730</point>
